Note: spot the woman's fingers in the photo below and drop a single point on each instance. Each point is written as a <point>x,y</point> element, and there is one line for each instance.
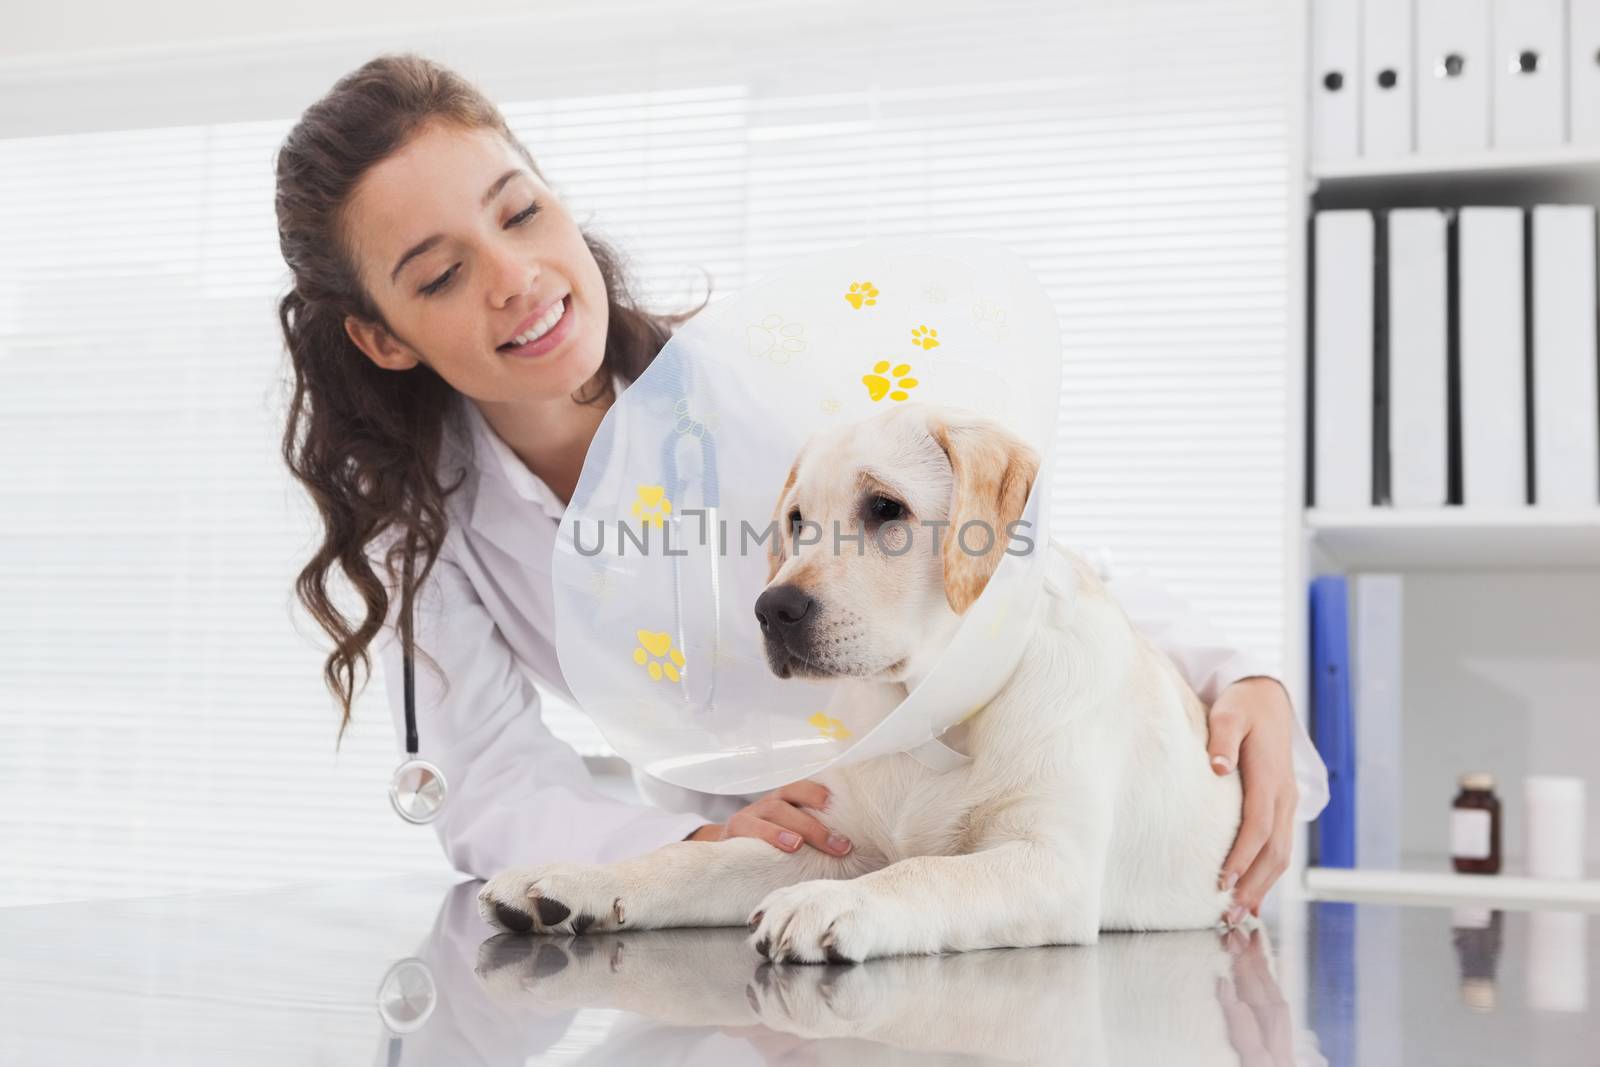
<point>805,791</point>
<point>1260,852</point>
<point>808,827</point>
<point>1255,830</point>
<point>1227,726</point>
<point>785,826</point>
<point>1270,862</point>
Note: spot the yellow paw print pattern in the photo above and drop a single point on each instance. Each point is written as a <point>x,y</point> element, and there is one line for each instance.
<point>656,654</point>
<point>832,729</point>
<point>652,505</point>
<point>925,337</point>
<point>862,294</point>
<point>879,382</point>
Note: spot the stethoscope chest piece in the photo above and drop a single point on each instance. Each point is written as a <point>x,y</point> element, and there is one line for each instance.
<point>407,995</point>
<point>417,791</point>
<point>418,788</point>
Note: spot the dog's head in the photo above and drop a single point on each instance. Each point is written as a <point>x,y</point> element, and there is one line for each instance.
<point>888,530</point>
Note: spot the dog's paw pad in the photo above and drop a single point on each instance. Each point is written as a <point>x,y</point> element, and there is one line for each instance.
<point>512,919</point>
<point>551,911</point>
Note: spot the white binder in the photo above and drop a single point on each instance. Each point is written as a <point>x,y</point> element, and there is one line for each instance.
<point>1452,64</point>
<point>1335,80</point>
<point>1583,70</point>
<point>1342,401</point>
<point>1387,83</point>
<point>1376,675</point>
<point>1566,396</point>
<point>1419,400</point>
<point>1493,379</point>
<point>1529,73</point>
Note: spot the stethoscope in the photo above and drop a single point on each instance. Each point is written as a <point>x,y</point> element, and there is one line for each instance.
<point>418,788</point>
<point>675,484</point>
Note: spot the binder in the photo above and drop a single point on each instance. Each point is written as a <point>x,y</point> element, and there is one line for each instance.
<point>1342,398</point>
<point>1331,728</point>
<point>1566,396</point>
<point>1335,80</point>
<point>1492,353</point>
<point>1452,65</point>
<point>1333,935</point>
<point>1583,71</point>
<point>1376,675</point>
<point>1419,404</point>
<point>1387,83</point>
<point>1529,73</point>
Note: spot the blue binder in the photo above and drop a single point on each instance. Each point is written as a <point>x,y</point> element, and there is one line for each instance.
<point>1332,726</point>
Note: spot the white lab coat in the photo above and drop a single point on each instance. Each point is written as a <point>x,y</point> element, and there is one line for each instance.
<point>518,795</point>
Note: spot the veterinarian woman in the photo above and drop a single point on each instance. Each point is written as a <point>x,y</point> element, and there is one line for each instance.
<point>450,327</point>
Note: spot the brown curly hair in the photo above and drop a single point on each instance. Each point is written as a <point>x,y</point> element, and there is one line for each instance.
<point>365,442</point>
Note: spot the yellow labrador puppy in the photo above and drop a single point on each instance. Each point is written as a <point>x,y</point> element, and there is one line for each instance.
<point>1088,803</point>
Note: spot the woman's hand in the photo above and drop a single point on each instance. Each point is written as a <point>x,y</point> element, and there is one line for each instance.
<point>1250,724</point>
<point>778,820</point>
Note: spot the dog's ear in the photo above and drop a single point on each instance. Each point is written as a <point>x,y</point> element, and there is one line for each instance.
<point>776,554</point>
<point>993,469</point>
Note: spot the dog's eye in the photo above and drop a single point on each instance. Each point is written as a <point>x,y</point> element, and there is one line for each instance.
<point>882,509</point>
<point>794,523</point>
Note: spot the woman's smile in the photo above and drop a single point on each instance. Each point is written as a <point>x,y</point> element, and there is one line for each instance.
<point>542,333</point>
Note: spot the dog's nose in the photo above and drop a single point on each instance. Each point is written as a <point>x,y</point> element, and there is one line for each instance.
<point>782,607</point>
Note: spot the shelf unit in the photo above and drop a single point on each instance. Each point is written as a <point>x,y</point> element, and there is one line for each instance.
<point>1456,539</point>
<point>1433,883</point>
<point>1447,539</point>
<point>1562,161</point>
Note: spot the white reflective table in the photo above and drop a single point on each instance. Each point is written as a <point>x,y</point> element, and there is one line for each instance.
<point>402,971</point>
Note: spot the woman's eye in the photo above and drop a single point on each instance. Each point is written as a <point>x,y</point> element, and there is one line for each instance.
<point>444,279</point>
<point>885,510</point>
<point>440,282</point>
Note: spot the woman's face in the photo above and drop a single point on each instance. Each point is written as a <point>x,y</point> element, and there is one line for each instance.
<point>463,249</point>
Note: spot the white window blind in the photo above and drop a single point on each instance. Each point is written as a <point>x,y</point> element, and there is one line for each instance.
<point>166,724</point>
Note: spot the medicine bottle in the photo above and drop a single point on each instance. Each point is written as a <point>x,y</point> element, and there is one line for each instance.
<point>1475,826</point>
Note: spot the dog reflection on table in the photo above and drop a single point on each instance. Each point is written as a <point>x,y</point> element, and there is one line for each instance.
<point>1089,802</point>
<point>1191,997</point>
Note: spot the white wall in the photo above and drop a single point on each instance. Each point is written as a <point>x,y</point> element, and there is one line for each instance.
<point>73,26</point>
<point>1501,676</point>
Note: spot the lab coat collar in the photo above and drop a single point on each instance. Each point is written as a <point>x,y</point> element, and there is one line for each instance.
<point>503,479</point>
<point>497,464</point>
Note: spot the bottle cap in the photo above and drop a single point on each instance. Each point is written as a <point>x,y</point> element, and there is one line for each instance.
<point>1478,993</point>
<point>1477,780</point>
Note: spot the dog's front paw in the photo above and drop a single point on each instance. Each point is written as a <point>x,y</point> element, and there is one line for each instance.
<point>555,898</point>
<point>829,921</point>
